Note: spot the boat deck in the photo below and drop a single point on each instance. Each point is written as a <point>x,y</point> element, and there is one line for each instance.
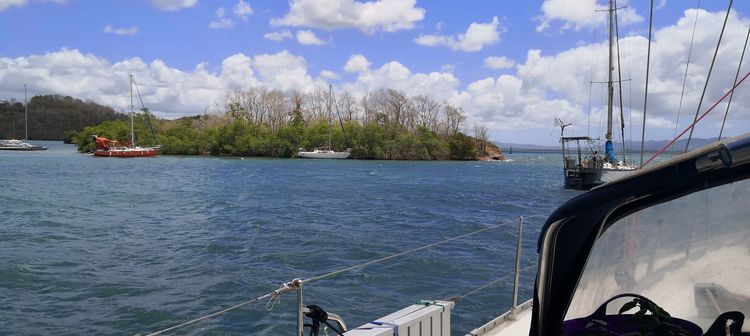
<point>506,325</point>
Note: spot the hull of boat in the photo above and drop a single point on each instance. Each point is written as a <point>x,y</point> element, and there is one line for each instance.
<point>19,145</point>
<point>324,155</point>
<point>582,179</point>
<point>31,148</point>
<point>129,152</point>
<point>614,174</point>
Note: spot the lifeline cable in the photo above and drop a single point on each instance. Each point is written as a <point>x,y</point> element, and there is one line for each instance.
<point>298,282</point>
<point>461,297</point>
<point>330,274</point>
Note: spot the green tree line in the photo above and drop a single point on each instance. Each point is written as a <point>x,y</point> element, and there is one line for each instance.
<point>383,124</point>
<point>218,135</point>
<point>51,116</point>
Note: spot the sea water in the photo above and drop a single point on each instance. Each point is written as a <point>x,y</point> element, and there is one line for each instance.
<point>92,245</point>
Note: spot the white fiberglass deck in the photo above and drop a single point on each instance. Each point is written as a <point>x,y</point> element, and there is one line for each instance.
<point>506,325</point>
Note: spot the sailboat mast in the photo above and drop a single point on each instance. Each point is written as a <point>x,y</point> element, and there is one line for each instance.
<point>609,148</point>
<point>132,133</point>
<point>25,115</point>
<point>610,86</point>
<point>330,132</point>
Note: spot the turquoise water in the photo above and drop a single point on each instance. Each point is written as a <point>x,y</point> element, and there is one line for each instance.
<point>126,246</point>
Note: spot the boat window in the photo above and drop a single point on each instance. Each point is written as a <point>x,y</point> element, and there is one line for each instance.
<point>690,256</point>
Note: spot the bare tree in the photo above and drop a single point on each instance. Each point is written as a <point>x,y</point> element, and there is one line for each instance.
<point>480,133</point>
<point>233,107</point>
<point>276,106</point>
<point>454,118</point>
<point>316,103</point>
<point>346,105</point>
<point>396,106</point>
<point>427,111</point>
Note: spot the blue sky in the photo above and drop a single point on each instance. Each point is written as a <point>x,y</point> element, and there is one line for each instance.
<point>512,66</point>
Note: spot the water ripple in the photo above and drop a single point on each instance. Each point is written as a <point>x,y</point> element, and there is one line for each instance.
<point>106,246</point>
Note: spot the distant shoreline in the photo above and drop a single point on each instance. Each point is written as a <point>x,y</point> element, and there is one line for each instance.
<point>514,150</point>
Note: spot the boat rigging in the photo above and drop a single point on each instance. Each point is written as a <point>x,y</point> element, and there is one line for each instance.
<point>326,152</point>
<point>112,148</point>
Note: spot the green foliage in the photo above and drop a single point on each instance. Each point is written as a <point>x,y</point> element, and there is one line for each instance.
<point>238,137</point>
<point>462,147</point>
<point>52,117</point>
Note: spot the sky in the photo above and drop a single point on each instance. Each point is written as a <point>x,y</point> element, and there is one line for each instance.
<point>512,66</point>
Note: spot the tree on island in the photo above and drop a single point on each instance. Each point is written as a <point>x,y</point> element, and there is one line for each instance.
<point>383,124</point>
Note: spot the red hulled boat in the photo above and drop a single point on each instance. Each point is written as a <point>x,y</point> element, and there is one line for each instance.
<point>106,147</point>
<point>113,148</point>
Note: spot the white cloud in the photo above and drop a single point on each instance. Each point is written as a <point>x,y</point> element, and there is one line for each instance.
<point>5,4</point>
<point>369,17</point>
<point>174,5</point>
<point>278,36</point>
<point>306,37</point>
<point>581,14</point>
<point>394,75</point>
<point>477,36</point>
<point>167,91</point>
<point>357,63</point>
<point>121,31</point>
<point>328,74</point>
<point>540,88</point>
<point>661,4</point>
<point>242,10</point>
<point>220,20</point>
<point>285,70</point>
<point>498,62</point>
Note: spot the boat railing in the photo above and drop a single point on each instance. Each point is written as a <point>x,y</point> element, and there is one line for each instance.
<point>296,285</point>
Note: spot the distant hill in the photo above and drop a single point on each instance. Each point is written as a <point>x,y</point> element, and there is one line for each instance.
<point>51,116</point>
<point>631,147</point>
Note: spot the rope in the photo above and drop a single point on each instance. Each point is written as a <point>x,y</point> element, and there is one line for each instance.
<point>145,111</point>
<point>223,311</point>
<point>735,80</point>
<point>283,289</point>
<point>648,69</point>
<point>330,274</point>
<point>491,283</point>
<point>708,77</point>
<point>697,120</point>
<point>687,65</point>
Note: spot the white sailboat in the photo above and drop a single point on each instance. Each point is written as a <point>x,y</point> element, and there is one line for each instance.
<point>611,167</point>
<point>325,152</point>
<point>18,145</point>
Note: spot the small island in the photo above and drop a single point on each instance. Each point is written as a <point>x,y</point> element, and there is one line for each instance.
<point>385,125</point>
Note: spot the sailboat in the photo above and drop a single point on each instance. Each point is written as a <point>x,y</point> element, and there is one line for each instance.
<point>325,152</point>
<point>18,145</point>
<point>113,148</point>
<point>611,168</point>
<point>584,168</point>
